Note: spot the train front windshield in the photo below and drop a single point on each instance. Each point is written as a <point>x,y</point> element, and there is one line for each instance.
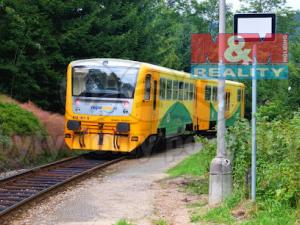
<point>104,82</point>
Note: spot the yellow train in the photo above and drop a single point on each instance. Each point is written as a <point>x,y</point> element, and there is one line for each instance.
<point>120,105</point>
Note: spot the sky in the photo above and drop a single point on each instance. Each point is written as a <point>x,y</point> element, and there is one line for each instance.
<point>294,4</point>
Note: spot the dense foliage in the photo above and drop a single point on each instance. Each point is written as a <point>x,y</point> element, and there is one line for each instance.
<point>39,37</point>
<point>278,154</point>
<point>20,136</point>
<point>24,140</point>
<point>16,121</point>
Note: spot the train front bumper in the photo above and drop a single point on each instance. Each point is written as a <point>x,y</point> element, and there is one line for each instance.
<point>119,136</point>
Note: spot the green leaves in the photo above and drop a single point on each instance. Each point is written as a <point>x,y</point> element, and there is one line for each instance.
<point>40,37</point>
<point>278,154</point>
<point>16,121</point>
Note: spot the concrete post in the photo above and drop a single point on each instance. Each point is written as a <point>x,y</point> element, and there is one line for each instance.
<point>220,178</point>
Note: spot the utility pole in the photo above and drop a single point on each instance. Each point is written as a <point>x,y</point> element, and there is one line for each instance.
<point>253,123</point>
<point>220,179</point>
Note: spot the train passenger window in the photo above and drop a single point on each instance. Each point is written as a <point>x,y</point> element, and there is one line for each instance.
<point>227,105</point>
<point>181,86</point>
<point>242,96</point>
<point>186,91</point>
<point>207,92</point>
<point>191,92</point>
<point>239,95</point>
<point>169,89</point>
<point>162,88</point>
<point>194,92</point>
<point>215,94</point>
<point>175,90</point>
<point>147,87</point>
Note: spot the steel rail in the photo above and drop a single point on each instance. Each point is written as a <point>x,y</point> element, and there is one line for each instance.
<point>21,188</point>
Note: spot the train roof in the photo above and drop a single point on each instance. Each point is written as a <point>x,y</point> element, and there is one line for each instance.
<point>228,82</point>
<point>106,61</point>
<point>124,62</point>
<point>136,64</point>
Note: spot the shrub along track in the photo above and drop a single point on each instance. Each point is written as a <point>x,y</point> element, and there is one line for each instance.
<point>24,187</point>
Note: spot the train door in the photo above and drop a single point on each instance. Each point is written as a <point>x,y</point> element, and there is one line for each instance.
<point>149,111</point>
<point>203,106</point>
<point>146,108</point>
<point>155,103</point>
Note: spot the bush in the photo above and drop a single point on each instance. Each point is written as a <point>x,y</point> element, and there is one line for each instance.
<point>16,121</point>
<point>278,154</point>
<point>27,149</point>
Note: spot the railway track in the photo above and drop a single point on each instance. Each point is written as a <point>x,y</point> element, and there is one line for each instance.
<point>24,187</point>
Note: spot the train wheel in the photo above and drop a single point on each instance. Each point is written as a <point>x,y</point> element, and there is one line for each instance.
<point>144,150</point>
<point>104,155</point>
<point>188,139</point>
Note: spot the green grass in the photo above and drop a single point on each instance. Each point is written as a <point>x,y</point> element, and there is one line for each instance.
<point>197,186</point>
<point>272,213</point>
<point>195,165</point>
<point>196,168</point>
<point>265,212</point>
<point>222,214</point>
<point>160,222</point>
<point>123,222</point>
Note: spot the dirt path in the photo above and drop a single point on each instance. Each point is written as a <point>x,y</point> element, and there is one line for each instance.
<point>127,190</point>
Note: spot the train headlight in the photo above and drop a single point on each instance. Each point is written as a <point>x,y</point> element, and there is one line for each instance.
<point>77,102</point>
<point>134,138</point>
<point>123,127</point>
<point>73,125</point>
<point>125,104</point>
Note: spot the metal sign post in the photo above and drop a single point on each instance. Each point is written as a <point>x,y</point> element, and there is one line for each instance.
<point>263,25</point>
<point>253,125</point>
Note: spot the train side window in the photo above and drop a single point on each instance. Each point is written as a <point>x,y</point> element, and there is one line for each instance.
<point>227,105</point>
<point>239,95</point>
<point>181,86</point>
<point>243,95</point>
<point>207,92</point>
<point>215,94</point>
<point>147,87</point>
<point>186,91</point>
<point>169,89</point>
<point>191,91</point>
<point>194,92</point>
<point>162,88</point>
<point>175,90</point>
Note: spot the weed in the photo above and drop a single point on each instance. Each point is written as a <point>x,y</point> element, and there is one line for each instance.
<point>123,222</point>
<point>160,222</point>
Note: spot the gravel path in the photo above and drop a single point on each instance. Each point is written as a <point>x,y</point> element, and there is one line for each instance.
<point>126,190</point>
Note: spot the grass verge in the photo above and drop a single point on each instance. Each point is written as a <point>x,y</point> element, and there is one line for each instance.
<point>196,165</point>
<point>160,222</point>
<point>123,222</point>
<point>234,210</point>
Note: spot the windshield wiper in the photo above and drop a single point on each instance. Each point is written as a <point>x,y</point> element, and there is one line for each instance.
<point>103,94</point>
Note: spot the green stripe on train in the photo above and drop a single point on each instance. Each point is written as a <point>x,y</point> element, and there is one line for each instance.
<point>229,121</point>
<point>175,119</point>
